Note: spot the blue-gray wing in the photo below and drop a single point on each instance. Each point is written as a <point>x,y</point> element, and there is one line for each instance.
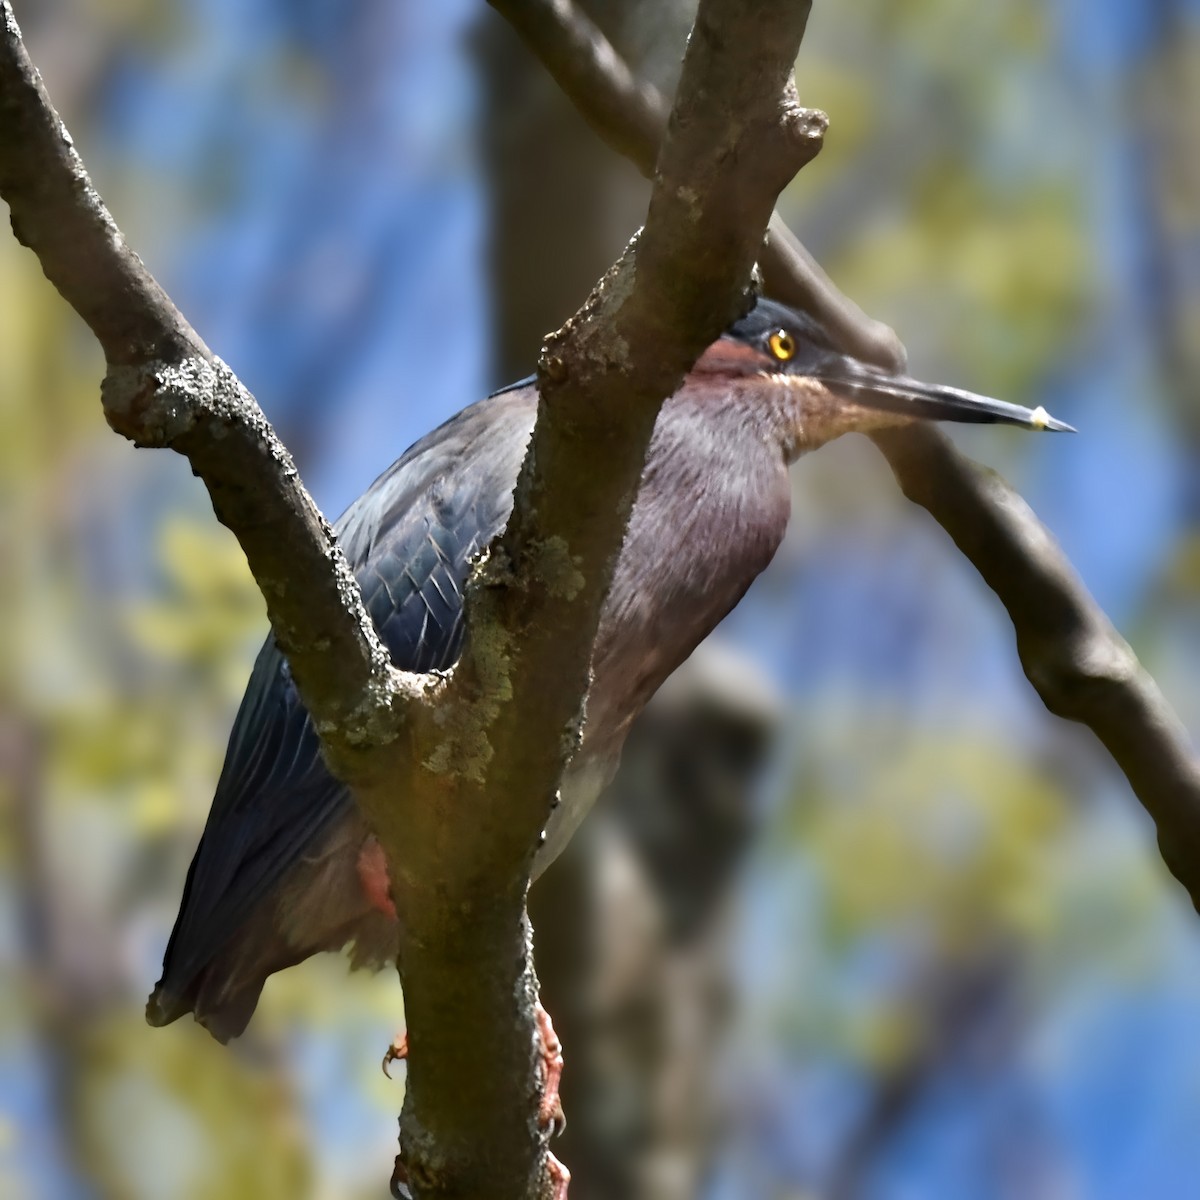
<point>410,539</point>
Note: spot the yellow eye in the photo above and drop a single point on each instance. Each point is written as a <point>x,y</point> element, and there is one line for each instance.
<point>782,344</point>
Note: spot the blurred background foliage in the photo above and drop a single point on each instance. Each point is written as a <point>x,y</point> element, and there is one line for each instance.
<point>957,965</point>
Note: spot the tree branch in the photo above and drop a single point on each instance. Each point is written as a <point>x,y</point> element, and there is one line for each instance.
<point>164,387</point>
<point>1080,666</point>
<point>604,376</point>
<point>534,604</point>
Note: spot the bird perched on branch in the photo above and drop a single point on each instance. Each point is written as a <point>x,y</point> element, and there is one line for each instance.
<point>287,866</point>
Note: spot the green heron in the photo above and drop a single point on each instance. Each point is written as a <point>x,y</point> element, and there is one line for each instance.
<point>287,865</point>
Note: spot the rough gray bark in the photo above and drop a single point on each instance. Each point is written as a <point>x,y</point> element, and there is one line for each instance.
<point>456,773</point>
<point>1080,666</point>
<point>632,921</point>
<point>534,604</point>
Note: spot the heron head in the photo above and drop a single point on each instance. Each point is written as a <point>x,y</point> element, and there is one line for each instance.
<point>785,365</point>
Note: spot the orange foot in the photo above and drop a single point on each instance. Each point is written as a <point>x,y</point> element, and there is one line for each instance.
<point>560,1177</point>
<point>550,1109</point>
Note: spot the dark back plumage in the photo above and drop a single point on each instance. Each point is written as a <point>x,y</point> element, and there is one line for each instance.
<point>409,539</point>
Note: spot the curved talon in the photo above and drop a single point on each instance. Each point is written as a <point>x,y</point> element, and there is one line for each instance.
<point>555,1121</point>
<point>396,1052</point>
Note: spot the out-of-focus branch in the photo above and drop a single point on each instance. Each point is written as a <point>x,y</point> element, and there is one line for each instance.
<point>64,985</point>
<point>1080,665</point>
<point>631,117</point>
<point>1077,662</point>
<point>164,387</point>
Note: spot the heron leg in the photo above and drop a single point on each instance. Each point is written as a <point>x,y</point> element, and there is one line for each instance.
<point>550,1109</point>
<point>560,1177</point>
<point>374,878</point>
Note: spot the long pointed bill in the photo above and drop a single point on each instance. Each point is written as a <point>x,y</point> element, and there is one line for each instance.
<point>931,401</point>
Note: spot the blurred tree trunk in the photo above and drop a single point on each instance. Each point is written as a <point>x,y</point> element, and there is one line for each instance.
<point>561,203</point>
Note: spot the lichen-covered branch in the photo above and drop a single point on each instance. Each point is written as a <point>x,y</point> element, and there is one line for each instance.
<point>1077,662</point>
<point>736,136</point>
<point>604,376</point>
<point>164,387</point>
